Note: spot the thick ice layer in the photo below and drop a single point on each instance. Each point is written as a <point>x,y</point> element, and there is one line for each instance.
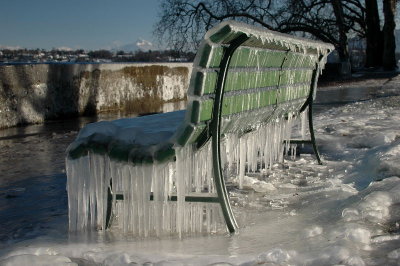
<point>146,130</point>
<point>266,36</point>
<point>90,177</point>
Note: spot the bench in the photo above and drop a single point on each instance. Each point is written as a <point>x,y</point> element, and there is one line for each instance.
<point>164,173</point>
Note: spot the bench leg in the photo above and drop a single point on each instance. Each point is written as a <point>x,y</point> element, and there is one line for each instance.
<point>216,131</point>
<point>220,186</point>
<point>311,127</point>
<point>312,135</point>
<point>109,206</point>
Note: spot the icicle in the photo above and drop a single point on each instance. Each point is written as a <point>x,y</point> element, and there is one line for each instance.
<point>303,118</point>
<point>260,148</point>
<point>89,179</point>
<point>242,161</point>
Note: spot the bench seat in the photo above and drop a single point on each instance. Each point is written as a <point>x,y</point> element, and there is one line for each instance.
<point>138,140</point>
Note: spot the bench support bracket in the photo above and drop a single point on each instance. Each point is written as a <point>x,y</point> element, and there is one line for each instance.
<point>215,130</point>
<point>309,104</point>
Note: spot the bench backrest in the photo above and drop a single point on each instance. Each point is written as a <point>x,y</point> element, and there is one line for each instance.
<point>269,75</point>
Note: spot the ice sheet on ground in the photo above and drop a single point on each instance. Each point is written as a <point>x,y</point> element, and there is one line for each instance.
<point>345,211</point>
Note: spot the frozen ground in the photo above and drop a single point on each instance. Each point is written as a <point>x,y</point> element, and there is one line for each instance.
<point>345,212</point>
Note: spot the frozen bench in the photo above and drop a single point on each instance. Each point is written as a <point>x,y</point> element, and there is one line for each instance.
<point>164,173</point>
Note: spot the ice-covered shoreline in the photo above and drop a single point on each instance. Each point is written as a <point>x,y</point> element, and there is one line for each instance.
<point>346,211</point>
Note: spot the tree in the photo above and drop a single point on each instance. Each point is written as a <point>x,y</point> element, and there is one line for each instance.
<point>328,20</point>
<point>389,55</point>
<point>374,35</point>
<point>340,23</point>
<point>183,22</point>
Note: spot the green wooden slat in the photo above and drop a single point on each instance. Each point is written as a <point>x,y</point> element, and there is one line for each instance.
<point>185,135</point>
<point>204,83</point>
<point>288,94</point>
<point>204,55</point>
<point>247,57</point>
<point>165,153</point>
<point>194,111</point>
<point>247,102</point>
<point>216,56</point>
<point>210,81</point>
<point>227,106</point>
<point>198,83</point>
<point>295,60</point>
<point>258,43</point>
<point>295,76</point>
<point>196,133</point>
<point>222,35</point>
<point>251,80</point>
<point>206,108</point>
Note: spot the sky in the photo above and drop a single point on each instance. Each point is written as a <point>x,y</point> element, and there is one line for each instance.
<point>76,24</point>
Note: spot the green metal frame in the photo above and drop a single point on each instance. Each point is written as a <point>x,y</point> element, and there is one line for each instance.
<point>215,130</point>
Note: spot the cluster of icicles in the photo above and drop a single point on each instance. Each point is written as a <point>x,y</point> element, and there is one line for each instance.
<point>261,148</point>
<point>191,174</point>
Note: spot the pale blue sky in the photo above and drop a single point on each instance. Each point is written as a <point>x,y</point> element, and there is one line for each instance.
<point>86,24</point>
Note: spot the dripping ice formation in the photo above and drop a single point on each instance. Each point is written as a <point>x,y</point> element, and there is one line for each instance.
<point>190,174</point>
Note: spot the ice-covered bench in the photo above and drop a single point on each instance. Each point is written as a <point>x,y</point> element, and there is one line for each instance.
<point>164,173</point>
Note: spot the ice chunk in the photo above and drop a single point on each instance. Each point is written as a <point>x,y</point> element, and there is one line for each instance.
<point>358,234</point>
<point>275,255</point>
<point>375,206</point>
<point>394,254</point>
<point>42,260</point>
<point>313,231</point>
<point>350,214</point>
<point>336,255</point>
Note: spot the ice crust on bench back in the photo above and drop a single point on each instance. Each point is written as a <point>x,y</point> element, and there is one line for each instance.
<point>290,59</point>
<point>263,38</point>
